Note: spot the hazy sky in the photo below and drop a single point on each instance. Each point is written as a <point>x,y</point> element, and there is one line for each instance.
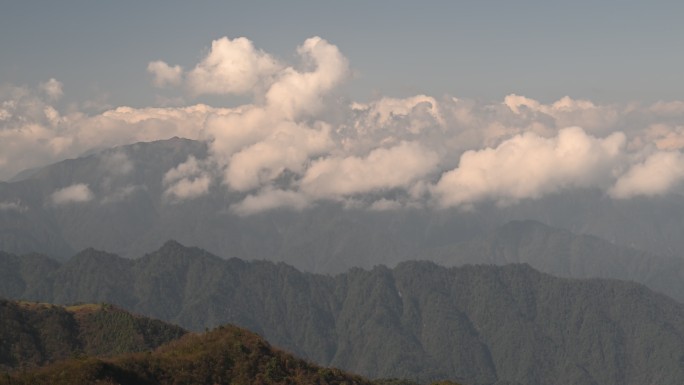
<point>439,103</point>
<point>606,51</point>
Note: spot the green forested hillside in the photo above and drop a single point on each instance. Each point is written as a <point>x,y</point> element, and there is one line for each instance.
<point>420,321</point>
<point>33,334</point>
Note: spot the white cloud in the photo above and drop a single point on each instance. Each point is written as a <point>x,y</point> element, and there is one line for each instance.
<point>289,147</point>
<point>269,199</point>
<point>414,114</point>
<point>76,193</point>
<point>382,169</point>
<point>237,67</point>
<point>34,133</point>
<point>567,112</point>
<point>517,102</point>
<point>297,141</point>
<point>232,67</point>
<point>188,180</point>
<point>191,167</point>
<point>189,188</point>
<point>657,175</point>
<point>529,166</point>
<point>297,92</point>
<point>164,74</point>
<point>665,136</point>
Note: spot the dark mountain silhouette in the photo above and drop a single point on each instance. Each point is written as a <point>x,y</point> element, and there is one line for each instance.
<point>474,324</point>
<point>33,334</point>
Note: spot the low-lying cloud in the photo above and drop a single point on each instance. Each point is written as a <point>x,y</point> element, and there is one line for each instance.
<point>529,166</point>
<point>76,193</point>
<point>16,206</point>
<point>186,181</point>
<point>299,141</point>
<point>164,75</point>
<point>657,175</point>
<point>382,169</point>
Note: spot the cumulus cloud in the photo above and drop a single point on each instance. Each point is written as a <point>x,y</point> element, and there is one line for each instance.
<point>164,75</point>
<point>187,181</point>
<point>269,199</point>
<point>255,144</point>
<point>76,193</point>
<point>189,188</point>
<point>296,92</point>
<point>298,142</point>
<point>414,114</point>
<point>237,67</point>
<point>33,132</point>
<point>382,169</point>
<point>657,175</point>
<point>567,112</point>
<point>665,136</point>
<point>232,67</point>
<point>287,148</point>
<point>528,166</point>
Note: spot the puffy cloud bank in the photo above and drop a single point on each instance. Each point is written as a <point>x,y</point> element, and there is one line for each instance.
<point>529,166</point>
<point>299,141</point>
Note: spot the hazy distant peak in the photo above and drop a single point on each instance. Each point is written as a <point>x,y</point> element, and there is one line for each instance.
<point>172,245</point>
<point>173,252</point>
<point>94,254</point>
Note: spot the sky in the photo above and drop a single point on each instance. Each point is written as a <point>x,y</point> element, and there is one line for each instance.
<point>308,101</point>
<point>608,51</point>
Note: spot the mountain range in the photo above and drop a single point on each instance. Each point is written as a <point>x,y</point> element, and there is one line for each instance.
<point>474,324</point>
<point>115,200</point>
<point>383,293</point>
<point>562,253</point>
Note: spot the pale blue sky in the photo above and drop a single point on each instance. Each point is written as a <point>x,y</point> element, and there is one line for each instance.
<point>611,51</point>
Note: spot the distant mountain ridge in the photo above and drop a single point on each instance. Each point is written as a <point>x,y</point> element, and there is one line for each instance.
<point>475,324</point>
<point>562,253</point>
<point>34,334</point>
<point>128,214</point>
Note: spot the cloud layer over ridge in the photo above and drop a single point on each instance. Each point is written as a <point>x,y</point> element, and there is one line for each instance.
<point>299,141</point>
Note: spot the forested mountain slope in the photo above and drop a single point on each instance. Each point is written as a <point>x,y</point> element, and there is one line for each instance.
<point>33,334</point>
<point>227,355</point>
<point>476,324</point>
